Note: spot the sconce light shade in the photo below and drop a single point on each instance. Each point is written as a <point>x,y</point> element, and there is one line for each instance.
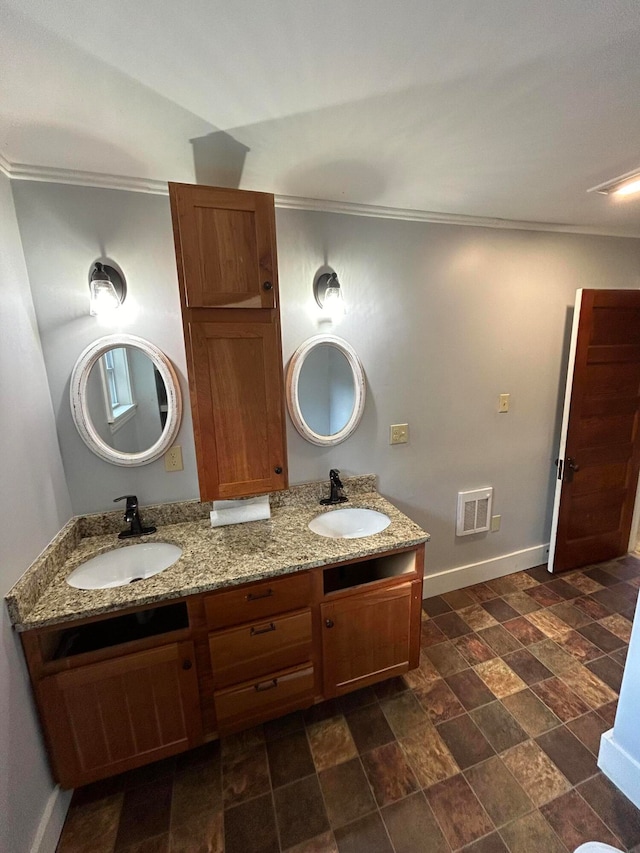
<point>108,289</point>
<point>328,294</point>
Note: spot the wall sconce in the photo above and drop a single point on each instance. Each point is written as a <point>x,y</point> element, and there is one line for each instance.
<point>328,294</point>
<point>108,289</point>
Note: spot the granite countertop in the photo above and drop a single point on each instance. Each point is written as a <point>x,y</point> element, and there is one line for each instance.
<point>212,558</point>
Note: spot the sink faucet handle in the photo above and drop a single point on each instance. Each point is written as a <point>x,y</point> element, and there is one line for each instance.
<point>132,500</point>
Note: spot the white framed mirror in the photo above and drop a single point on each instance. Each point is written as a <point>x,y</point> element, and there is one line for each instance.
<point>125,400</point>
<point>326,390</point>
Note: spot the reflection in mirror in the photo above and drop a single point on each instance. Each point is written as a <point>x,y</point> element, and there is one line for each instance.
<point>325,390</point>
<point>125,400</point>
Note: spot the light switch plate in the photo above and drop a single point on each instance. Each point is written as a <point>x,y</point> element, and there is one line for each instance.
<point>398,433</point>
<point>495,523</point>
<point>503,405</point>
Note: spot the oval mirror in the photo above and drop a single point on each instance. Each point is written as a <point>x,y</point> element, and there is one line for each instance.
<point>125,400</point>
<point>325,390</point>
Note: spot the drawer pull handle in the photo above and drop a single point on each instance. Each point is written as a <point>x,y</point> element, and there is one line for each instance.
<point>266,685</point>
<point>251,596</point>
<point>255,631</point>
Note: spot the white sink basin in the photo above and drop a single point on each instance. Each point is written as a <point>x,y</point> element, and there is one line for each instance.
<point>349,523</point>
<point>124,565</point>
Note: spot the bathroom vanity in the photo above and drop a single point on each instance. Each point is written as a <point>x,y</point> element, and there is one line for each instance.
<point>252,622</point>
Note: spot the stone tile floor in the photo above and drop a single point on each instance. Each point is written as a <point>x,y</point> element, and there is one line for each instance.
<point>490,746</point>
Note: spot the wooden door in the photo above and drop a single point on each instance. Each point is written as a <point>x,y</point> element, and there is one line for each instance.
<point>237,403</point>
<point>600,444</point>
<point>367,637</point>
<point>107,717</point>
<point>226,245</point>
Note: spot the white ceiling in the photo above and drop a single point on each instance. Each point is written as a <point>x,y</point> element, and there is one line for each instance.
<point>507,109</point>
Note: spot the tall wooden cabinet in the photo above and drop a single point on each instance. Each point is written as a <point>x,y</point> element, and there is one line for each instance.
<point>227,271</point>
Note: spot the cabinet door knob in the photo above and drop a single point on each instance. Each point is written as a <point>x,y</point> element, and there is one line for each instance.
<point>186,664</point>
<point>278,469</point>
<point>328,623</point>
<point>267,285</point>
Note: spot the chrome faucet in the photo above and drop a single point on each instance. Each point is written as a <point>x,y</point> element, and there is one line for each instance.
<point>132,517</point>
<point>336,489</point>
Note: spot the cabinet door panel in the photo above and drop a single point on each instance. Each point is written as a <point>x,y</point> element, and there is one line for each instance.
<point>226,243</point>
<point>366,638</point>
<point>238,419</point>
<point>109,716</point>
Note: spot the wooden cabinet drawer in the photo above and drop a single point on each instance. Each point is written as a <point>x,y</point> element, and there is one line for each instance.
<point>254,649</point>
<point>257,601</point>
<point>262,699</point>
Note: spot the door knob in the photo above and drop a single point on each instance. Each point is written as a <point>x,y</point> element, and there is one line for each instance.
<point>571,463</point>
<point>278,469</point>
<point>267,285</point>
<point>328,623</point>
<point>186,664</point>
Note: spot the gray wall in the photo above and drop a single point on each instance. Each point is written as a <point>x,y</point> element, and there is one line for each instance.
<point>35,505</point>
<point>444,318</point>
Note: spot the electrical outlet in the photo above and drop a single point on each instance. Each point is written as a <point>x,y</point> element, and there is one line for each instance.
<point>398,433</point>
<point>495,523</point>
<point>173,459</point>
<point>503,405</point>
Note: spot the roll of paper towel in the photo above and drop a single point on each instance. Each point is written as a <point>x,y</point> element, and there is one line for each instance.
<point>237,512</point>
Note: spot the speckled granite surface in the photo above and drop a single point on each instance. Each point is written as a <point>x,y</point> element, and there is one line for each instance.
<point>212,558</point>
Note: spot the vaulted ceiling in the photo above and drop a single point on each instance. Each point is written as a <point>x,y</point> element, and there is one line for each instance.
<point>506,109</point>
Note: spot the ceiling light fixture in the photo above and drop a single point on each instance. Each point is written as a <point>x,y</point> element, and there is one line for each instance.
<point>108,289</point>
<point>625,185</point>
<point>328,294</point>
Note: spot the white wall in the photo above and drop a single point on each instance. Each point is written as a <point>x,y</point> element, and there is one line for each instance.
<point>35,505</point>
<point>444,318</point>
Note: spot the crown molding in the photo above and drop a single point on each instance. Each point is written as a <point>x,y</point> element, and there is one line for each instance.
<point>76,177</point>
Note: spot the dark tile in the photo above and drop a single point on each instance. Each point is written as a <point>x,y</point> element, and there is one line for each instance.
<point>145,812</point>
<point>502,797</point>
<point>529,668</point>
<point>452,625</point>
<point>465,741</point>
<point>207,754</point>
<point>608,713</point>
<point>573,616</point>
<point>390,776</point>
<point>618,813</point>
<point>568,754</point>
<point>245,775</point>
<point>157,844</point>
<point>540,573</point>
<point>498,726</point>
<point>554,658</point>
<point>625,569</point>
<point>282,726</point>
<point>458,811</point>
<point>563,589</point>
<point>608,671</point>
<point>504,585</point>
<point>591,607</point>
<point>579,647</point>
<point>600,637</point>
<point>446,658</point>
<point>97,791</point>
<point>413,828</point>
<point>589,729</point>
<point>289,759</point>
<point>149,773</point>
<point>531,834</point>
<point>530,712</point>
<point>435,606</point>
<point>404,713</point>
<point>197,791</point>
<point>500,610</point>
<point>619,599</point>
<point>369,727</point>
<point>205,832</point>
<point>470,689</point>
<point>575,822</point>
<point>367,833</point>
<point>601,577</point>
<point>522,602</point>
<point>430,634</point>
<point>620,656</point>
<point>390,687</point>
<point>500,640</point>
<point>439,701</point>
<point>323,843</point>
<point>524,631</point>
<point>300,811</point>
<point>357,699</point>
<point>560,699</point>
<point>545,597</point>
<point>458,598</point>
<point>251,827</point>
<point>489,844</point>
<point>473,649</point>
<point>93,827</point>
<point>346,792</point>
<point>480,592</point>
<point>321,711</point>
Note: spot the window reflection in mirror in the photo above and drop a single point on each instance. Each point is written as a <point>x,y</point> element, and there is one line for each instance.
<point>326,390</point>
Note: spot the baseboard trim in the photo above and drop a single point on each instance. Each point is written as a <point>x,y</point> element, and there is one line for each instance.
<point>52,821</point>
<point>486,570</point>
<point>620,767</point>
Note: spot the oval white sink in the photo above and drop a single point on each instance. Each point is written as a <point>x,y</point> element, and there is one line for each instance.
<point>349,523</point>
<point>124,565</point>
